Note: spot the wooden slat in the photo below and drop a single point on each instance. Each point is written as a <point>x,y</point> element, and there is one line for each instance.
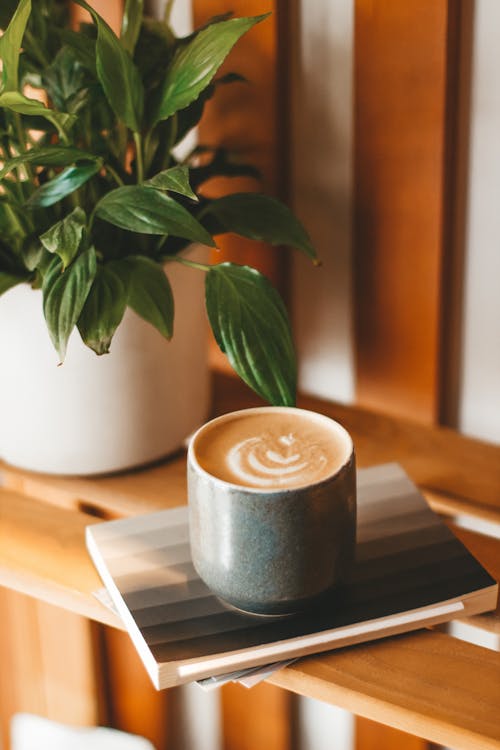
<point>257,719</point>
<point>401,129</point>
<point>245,118</point>
<point>106,497</point>
<point>20,655</point>
<point>43,554</point>
<point>70,667</point>
<point>371,735</point>
<point>428,684</point>
<point>134,705</point>
<point>42,672</point>
<point>455,201</point>
<point>110,10</point>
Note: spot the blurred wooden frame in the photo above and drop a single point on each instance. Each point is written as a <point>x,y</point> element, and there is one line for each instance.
<point>412,65</point>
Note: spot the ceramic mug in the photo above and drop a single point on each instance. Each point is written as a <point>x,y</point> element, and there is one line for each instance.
<point>272,507</point>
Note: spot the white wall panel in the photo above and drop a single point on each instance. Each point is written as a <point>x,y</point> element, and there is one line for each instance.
<point>480,388</point>
<point>324,727</point>
<point>322,133</point>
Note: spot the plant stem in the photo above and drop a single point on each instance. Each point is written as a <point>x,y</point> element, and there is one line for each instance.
<point>191,263</point>
<point>22,145</point>
<point>8,155</point>
<point>171,138</point>
<point>138,157</point>
<point>90,222</point>
<point>114,175</point>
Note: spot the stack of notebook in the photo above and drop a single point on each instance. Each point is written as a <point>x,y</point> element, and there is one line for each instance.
<point>410,572</point>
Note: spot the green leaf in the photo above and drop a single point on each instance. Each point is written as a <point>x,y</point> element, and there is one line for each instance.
<point>48,156</point>
<point>149,292</point>
<point>82,46</point>
<point>65,79</point>
<point>149,211</point>
<point>196,63</point>
<point>64,184</point>
<point>12,229</point>
<point>8,280</point>
<point>117,73</point>
<point>131,24</point>
<point>103,310</point>
<point>260,217</point>
<point>251,326</point>
<point>17,102</point>
<point>64,238</point>
<point>175,179</point>
<point>10,45</point>
<point>32,253</point>
<point>64,295</point>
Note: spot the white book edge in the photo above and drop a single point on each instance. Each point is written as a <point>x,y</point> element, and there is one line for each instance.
<point>142,647</point>
<point>316,642</point>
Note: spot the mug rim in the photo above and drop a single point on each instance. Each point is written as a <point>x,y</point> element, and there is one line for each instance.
<point>191,456</point>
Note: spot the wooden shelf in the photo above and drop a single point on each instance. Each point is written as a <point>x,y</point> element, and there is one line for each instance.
<point>426,683</point>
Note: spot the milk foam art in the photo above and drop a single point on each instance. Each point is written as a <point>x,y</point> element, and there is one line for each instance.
<point>275,460</point>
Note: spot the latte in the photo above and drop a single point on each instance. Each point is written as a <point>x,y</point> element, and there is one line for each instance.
<point>273,448</point>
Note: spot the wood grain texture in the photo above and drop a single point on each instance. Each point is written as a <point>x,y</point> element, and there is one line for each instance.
<point>258,718</point>
<point>70,667</point>
<point>20,655</point>
<point>134,705</point>
<point>110,10</point>
<point>455,703</point>
<point>401,131</point>
<point>247,119</point>
<point>371,735</point>
<point>42,672</point>
<point>244,118</point>
<point>455,205</point>
<point>42,553</point>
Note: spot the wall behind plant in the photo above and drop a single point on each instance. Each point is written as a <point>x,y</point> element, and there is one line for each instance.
<point>480,386</point>
<point>321,192</point>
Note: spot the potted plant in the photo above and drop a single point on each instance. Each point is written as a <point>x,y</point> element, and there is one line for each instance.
<point>97,217</point>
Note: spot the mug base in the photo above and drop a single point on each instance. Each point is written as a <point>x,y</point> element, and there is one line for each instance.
<point>278,610</point>
<point>257,612</point>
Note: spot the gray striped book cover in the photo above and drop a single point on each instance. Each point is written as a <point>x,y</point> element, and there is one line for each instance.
<point>410,572</point>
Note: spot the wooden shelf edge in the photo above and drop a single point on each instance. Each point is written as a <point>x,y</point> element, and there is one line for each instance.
<point>60,596</point>
<point>385,695</point>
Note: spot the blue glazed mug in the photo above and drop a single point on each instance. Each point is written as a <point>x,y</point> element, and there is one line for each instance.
<point>272,507</point>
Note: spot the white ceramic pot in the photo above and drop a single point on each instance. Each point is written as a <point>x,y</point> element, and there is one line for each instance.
<point>101,414</point>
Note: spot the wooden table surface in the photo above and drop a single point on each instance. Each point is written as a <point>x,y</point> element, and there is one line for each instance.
<point>427,683</point>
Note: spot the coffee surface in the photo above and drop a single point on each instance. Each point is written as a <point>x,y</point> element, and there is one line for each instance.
<point>273,450</point>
